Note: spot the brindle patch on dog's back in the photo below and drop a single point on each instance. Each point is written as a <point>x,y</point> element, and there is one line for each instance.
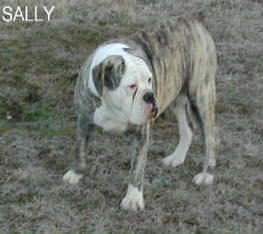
<point>176,49</point>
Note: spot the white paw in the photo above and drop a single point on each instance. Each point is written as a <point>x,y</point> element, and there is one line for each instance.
<point>173,160</point>
<point>72,177</point>
<point>203,178</point>
<point>133,199</point>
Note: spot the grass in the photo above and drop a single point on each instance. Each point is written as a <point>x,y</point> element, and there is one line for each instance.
<point>39,65</point>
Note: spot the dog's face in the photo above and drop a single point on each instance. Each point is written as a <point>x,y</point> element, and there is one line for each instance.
<point>126,87</point>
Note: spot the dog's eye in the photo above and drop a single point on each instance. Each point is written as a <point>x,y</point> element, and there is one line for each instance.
<point>149,80</point>
<point>134,86</point>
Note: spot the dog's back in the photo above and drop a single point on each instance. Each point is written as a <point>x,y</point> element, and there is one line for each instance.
<point>180,51</point>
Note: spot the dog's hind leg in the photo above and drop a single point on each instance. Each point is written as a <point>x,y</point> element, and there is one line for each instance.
<point>205,106</point>
<point>183,114</point>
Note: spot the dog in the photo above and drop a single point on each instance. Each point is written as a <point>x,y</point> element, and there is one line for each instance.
<point>127,82</point>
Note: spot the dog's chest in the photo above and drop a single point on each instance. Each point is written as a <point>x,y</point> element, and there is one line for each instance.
<point>110,122</point>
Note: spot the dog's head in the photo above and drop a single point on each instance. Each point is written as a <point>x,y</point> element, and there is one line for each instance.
<point>125,84</point>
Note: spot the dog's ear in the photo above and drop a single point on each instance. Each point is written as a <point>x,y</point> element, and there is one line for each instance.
<point>97,75</point>
<point>108,73</point>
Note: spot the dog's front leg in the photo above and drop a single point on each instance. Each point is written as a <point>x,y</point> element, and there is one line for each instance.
<point>134,197</point>
<point>85,128</point>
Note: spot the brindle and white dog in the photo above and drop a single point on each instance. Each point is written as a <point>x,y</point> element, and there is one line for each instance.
<point>127,82</point>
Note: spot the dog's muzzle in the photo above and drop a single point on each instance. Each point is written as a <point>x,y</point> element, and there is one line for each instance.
<point>149,99</point>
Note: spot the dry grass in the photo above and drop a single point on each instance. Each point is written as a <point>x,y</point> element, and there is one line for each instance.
<point>38,68</point>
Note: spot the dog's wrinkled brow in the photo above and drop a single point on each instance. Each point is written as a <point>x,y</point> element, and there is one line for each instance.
<point>133,97</point>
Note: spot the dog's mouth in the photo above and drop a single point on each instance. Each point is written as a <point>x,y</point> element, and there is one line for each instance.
<point>152,110</point>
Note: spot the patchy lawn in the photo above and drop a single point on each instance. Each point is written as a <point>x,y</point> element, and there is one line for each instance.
<point>39,64</point>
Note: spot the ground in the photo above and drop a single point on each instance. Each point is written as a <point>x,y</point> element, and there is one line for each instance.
<point>39,64</point>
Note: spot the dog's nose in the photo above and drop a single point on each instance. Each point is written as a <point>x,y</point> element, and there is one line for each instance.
<point>148,97</point>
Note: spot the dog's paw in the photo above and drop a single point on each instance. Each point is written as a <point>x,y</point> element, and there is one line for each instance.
<point>203,178</point>
<point>173,161</point>
<point>72,177</point>
<point>133,199</point>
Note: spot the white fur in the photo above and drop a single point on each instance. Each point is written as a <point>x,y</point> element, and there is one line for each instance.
<point>104,118</point>
<point>118,109</point>
<point>138,73</point>
<point>71,177</point>
<point>204,178</point>
<point>133,199</point>
<point>178,156</point>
